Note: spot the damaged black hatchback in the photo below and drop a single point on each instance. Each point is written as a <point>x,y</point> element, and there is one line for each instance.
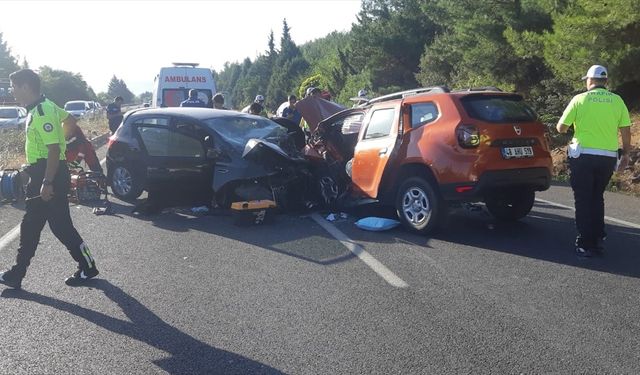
<point>203,156</point>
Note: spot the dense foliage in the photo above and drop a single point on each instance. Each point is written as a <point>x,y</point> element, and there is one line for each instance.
<point>539,48</point>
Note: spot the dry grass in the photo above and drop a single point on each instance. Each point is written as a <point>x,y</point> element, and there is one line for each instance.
<point>12,142</point>
<point>626,182</point>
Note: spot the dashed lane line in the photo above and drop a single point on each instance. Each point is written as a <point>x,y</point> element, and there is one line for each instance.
<point>358,251</point>
<point>9,237</point>
<point>608,218</point>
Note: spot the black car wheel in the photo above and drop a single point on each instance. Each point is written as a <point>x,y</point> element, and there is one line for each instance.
<point>418,205</point>
<point>510,205</point>
<point>125,184</point>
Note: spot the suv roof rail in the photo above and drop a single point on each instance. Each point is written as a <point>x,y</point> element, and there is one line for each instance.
<point>404,94</point>
<point>193,65</point>
<point>483,88</point>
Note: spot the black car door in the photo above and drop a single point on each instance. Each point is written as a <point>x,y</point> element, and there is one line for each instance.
<point>175,154</point>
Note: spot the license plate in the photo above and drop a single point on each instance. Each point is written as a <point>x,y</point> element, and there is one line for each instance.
<point>517,152</point>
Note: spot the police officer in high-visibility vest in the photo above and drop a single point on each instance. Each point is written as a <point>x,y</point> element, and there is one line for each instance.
<point>597,116</point>
<point>46,195</point>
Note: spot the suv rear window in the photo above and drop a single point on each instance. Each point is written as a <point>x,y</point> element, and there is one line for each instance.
<point>498,108</point>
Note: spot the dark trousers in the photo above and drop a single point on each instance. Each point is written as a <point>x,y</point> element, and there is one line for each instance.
<point>56,212</point>
<point>590,176</point>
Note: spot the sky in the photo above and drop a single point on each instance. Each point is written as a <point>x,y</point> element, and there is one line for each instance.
<point>134,39</point>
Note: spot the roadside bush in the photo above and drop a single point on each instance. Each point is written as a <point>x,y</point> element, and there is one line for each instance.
<point>12,142</point>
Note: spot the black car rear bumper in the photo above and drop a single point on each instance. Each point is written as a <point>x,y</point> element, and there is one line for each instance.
<point>537,179</point>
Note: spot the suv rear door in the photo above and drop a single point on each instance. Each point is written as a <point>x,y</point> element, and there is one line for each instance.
<point>375,147</point>
<point>516,137</point>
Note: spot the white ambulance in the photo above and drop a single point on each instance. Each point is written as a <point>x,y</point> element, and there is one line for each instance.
<point>172,85</point>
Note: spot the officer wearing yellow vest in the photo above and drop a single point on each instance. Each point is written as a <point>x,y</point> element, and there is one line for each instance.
<point>597,116</point>
<point>46,196</point>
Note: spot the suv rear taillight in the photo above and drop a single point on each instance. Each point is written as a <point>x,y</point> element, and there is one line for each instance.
<point>468,136</point>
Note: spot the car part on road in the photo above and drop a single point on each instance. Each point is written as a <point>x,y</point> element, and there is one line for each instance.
<point>11,185</point>
<point>253,212</point>
<point>376,224</point>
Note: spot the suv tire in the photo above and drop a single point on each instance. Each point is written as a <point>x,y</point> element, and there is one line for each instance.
<point>418,205</point>
<point>125,184</point>
<point>510,205</point>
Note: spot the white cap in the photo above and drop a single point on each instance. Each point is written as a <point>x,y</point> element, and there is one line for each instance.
<point>362,93</point>
<point>259,98</point>
<point>596,71</point>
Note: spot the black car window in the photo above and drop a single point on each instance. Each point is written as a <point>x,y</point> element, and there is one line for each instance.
<point>181,145</point>
<point>498,108</point>
<point>380,123</point>
<point>161,121</point>
<point>423,113</point>
<point>155,140</point>
<point>164,142</point>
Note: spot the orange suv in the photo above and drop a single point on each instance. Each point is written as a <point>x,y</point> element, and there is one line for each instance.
<point>421,149</point>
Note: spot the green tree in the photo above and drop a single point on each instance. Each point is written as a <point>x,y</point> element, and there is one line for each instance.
<point>145,97</point>
<point>8,63</point>
<point>479,41</point>
<point>389,39</point>
<point>117,87</point>
<point>61,86</point>
<point>288,68</point>
<point>590,33</point>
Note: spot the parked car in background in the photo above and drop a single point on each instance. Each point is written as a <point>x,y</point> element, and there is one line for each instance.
<point>12,118</point>
<point>79,108</point>
<point>203,156</point>
<point>421,150</point>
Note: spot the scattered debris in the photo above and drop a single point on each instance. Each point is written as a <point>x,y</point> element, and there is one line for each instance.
<point>376,224</point>
<point>200,210</point>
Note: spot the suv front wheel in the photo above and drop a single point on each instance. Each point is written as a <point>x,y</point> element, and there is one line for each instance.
<point>418,205</point>
<point>510,205</point>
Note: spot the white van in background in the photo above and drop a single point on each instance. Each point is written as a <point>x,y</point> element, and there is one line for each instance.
<point>78,108</point>
<point>172,85</point>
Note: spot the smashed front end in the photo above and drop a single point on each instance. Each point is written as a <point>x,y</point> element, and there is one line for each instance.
<point>257,159</point>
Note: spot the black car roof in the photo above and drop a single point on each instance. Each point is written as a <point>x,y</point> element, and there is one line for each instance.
<point>193,112</point>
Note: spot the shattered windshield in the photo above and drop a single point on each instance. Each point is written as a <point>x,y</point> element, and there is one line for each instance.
<point>238,130</point>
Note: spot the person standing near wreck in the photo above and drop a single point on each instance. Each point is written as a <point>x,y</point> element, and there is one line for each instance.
<point>114,113</point>
<point>597,116</point>
<point>46,196</point>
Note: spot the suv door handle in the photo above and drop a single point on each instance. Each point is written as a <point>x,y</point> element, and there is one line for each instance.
<point>383,151</point>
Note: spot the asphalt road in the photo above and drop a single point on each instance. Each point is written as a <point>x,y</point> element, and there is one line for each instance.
<point>186,294</point>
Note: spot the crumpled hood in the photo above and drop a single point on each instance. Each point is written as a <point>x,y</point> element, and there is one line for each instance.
<point>315,109</point>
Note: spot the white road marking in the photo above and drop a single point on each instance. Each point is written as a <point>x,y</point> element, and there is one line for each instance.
<point>611,219</point>
<point>358,251</point>
<point>9,237</point>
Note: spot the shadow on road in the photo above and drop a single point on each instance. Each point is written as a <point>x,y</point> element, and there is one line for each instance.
<point>547,233</point>
<point>292,235</point>
<point>187,354</point>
